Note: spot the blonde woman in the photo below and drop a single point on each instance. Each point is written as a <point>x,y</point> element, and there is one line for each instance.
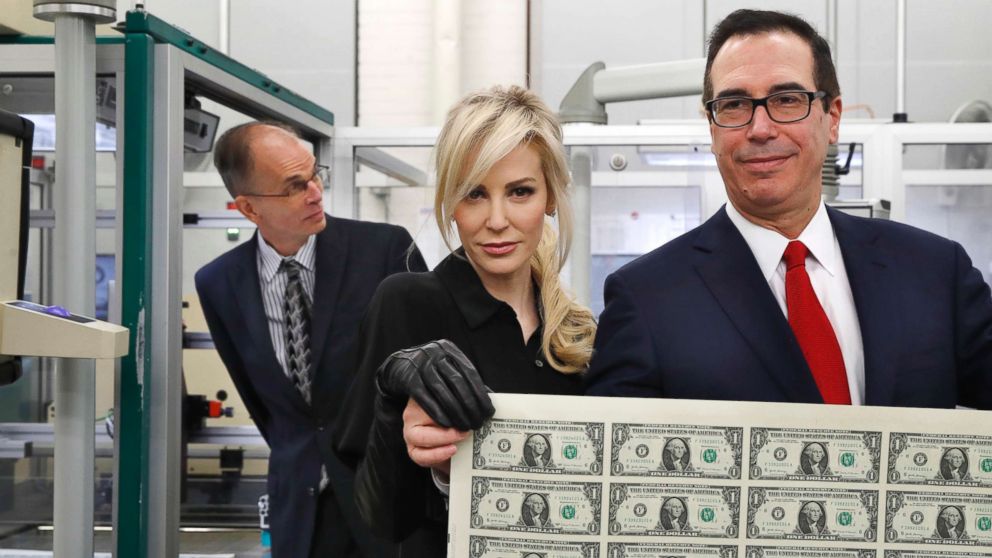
<point>491,316</point>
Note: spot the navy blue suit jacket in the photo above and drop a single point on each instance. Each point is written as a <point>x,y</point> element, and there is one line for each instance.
<point>696,319</point>
<point>352,257</point>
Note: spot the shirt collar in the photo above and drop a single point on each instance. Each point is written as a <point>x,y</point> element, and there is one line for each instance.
<point>465,286</point>
<point>768,245</point>
<point>272,260</point>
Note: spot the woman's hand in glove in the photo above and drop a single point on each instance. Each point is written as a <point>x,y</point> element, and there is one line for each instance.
<point>441,379</point>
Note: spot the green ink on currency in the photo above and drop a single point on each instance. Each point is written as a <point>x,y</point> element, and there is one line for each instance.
<point>707,514</point>
<point>984,523</point>
<point>847,459</point>
<point>570,451</point>
<point>845,518</point>
<point>987,465</point>
<point>568,512</point>
<point>709,455</point>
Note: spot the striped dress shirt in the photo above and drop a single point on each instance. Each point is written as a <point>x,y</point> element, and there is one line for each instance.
<point>273,284</point>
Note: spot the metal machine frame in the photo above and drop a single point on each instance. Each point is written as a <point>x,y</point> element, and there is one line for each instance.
<point>157,63</point>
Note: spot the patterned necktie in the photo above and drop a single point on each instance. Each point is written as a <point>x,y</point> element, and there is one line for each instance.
<point>812,328</point>
<point>297,312</point>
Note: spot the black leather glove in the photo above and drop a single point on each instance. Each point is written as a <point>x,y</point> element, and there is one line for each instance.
<point>439,377</point>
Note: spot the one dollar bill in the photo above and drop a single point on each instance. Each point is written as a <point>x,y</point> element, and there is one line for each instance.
<point>656,549</point>
<point>555,447</point>
<point>674,510</point>
<point>936,518</point>
<point>536,506</point>
<point>496,547</point>
<point>652,450</point>
<point>934,554</point>
<point>940,459</point>
<point>815,455</point>
<point>806,552</point>
<point>812,514</point>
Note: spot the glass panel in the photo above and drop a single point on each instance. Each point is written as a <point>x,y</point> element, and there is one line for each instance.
<point>26,407</point>
<point>633,221</point>
<point>961,213</point>
<point>851,186</point>
<point>394,185</point>
<point>223,476</point>
<point>949,192</point>
<point>947,156</point>
<point>642,197</point>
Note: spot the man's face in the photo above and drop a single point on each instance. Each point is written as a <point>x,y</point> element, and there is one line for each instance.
<point>812,512</point>
<point>951,516</point>
<point>280,161</point>
<point>537,445</point>
<point>815,453</point>
<point>677,449</point>
<point>954,458</point>
<point>771,171</point>
<point>536,504</point>
<point>675,508</point>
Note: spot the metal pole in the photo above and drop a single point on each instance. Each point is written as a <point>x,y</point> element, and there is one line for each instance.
<point>447,49</point>
<point>74,261</point>
<point>224,28</point>
<point>580,161</point>
<point>832,27</point>
<point>75,256</point>
<point>900,114</point>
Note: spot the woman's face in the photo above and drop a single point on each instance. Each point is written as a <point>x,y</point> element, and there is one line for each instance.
<point>501,220</point>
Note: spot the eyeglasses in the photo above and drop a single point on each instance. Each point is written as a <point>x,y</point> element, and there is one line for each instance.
<point>321,175</point>
<point>783,107</point>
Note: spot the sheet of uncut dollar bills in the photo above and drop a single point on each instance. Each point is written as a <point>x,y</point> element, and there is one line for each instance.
<point>593,477</point>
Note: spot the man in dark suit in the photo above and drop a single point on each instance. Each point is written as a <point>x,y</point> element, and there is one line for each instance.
<point>777,297</point>
<point>283,310</point>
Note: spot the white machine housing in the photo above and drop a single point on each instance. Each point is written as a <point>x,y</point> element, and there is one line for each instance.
<point>28,329</point>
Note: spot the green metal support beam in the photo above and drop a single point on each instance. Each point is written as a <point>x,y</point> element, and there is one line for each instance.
<point>143,22</point>
<point>136,216</point>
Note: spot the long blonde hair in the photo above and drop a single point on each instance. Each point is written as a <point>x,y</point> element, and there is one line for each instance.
<point>480,130</point>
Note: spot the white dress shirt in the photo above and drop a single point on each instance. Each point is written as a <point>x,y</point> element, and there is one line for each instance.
<point>825,266</point>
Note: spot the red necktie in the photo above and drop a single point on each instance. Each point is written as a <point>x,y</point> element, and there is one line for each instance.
<point>812,328</point>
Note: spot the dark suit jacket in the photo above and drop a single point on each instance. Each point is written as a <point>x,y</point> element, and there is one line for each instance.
<point>696,319</point>
<point>351,258</point>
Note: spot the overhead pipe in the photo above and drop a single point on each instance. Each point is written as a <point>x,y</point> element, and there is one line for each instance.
<point>900,114</point>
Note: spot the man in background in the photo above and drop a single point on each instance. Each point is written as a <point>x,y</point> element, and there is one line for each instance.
<point>283,310</point>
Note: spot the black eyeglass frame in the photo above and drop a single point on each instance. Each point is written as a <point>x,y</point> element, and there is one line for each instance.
<point>318,170</point>
<point>763,102</point>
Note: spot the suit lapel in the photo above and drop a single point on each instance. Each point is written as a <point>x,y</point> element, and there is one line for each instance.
<point>732,275</point>
<point>331,258</point>
<point>248,295</point>
<point>876,303</point>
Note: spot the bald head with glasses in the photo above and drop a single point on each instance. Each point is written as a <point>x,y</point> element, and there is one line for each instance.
<point>275,181</point>
<point>773,103</point>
